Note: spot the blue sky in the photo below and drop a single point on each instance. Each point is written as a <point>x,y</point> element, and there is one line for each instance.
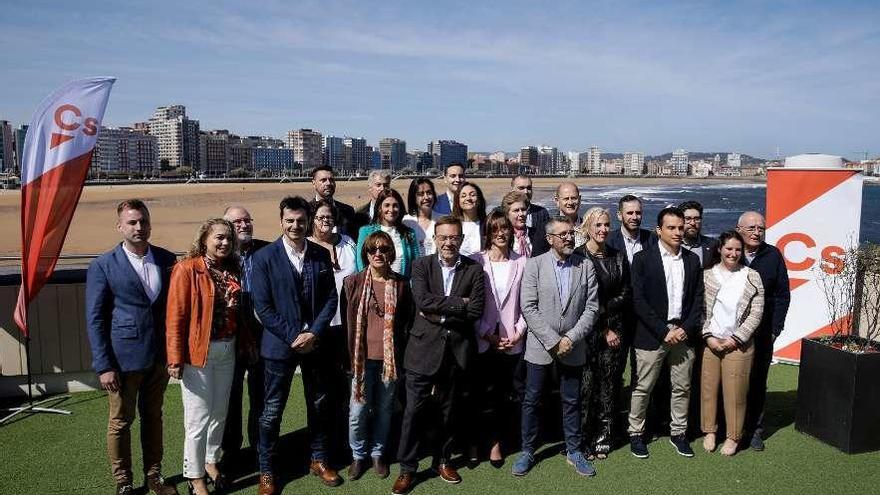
<point>625,76</point>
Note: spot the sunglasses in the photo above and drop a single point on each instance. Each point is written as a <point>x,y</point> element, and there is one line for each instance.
<point>380,249</point>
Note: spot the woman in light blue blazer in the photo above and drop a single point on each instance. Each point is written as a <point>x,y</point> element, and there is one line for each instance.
<point>388,217</point>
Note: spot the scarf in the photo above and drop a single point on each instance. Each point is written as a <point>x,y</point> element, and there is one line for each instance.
<point>522,239</point>
<point>389,366</point>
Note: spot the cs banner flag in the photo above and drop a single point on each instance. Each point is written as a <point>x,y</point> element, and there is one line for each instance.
<point>57,153</point>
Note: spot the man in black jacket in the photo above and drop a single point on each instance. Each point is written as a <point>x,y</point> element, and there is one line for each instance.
<point>769,263</point>
<point>324,182</point>
<point>537,218</point>
<point>631,237</point>
<point>668,301</point>
<point>448,291</point>
<point>232,437</point>
<point>694,240</point>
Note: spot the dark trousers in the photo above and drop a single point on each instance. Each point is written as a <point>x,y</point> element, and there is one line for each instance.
<point>537,376</point>
<point>601,388</point>
<point>443,390</point>
<point>278,378</point>
<point>142,393</point>
<point>494,392</point>
<point>757,395</point>
<point>232,436</point>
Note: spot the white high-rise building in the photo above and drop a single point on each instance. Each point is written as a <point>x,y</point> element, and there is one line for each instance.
<point>548,160</point>
<point>177,136</point>
<point>633,163</point>
<point>594,160</point>
<point>734,160</point>
<point>307,148</point>
<point>679,162</point>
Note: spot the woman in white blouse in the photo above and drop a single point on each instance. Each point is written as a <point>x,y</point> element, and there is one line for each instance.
<point>734,306</point>
<point>470,208</point>
<point>420,213</point>
<point>500,337</point>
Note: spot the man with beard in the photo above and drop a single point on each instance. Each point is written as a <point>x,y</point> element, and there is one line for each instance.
<point>454,177</point>
<point>769,263</point>
<point>241,220</point>
<point>560,302</point>
<point>537,216</point>
<point>694,241</point>
<point>324,182</point>
<point>668,301</point>
<point>630,238</point>
<point>568,201</point>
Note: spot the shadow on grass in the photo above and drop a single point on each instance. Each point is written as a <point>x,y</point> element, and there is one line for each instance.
<point>779,411</point>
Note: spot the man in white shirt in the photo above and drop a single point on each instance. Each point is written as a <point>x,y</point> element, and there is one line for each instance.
<point>631,237</point>
<point>568,201</point>
<point>668,301</point>
<point>126,294</point>
<point>454,177</point>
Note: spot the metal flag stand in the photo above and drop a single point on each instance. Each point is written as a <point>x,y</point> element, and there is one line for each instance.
<point>33,407</point>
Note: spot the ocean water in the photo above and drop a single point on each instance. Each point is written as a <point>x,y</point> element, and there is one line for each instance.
<point>722,203</point>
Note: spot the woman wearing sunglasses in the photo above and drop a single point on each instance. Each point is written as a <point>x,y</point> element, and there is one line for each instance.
<point>388,218</point>
<point>377,311</point>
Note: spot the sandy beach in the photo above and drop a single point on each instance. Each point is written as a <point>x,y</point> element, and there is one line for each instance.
<point>178,209</point>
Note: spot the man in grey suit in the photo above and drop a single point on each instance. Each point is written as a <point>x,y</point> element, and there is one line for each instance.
<point>559,297</point>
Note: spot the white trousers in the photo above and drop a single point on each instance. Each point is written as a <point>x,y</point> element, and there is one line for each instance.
<point>205,402</point>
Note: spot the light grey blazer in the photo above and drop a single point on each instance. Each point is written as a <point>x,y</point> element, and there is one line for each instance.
<point>548,318</point>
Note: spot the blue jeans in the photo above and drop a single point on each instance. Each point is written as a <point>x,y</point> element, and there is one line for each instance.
<point>368,423</point>
<point>537,376</point>
<point>279,375</point>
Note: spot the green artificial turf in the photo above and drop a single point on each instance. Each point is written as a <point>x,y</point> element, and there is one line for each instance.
<point>51,454</point>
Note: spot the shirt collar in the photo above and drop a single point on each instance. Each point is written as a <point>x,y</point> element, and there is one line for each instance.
<point>558,262</point>
<point>627,238</point>
<point>444,265</point>
<point>146,257</point>
<point>665,253</point>
<point>291,252</point>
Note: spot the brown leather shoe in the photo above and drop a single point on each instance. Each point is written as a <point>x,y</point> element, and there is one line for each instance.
<point>156,484</point>
<point>327,474</point>
<point>381,468</point>
<point>403,484</point>
<point>356,469</point>
<point>448,473</point>
<point>267,484</point>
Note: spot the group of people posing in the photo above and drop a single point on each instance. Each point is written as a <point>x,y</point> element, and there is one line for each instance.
<point>467,317</point>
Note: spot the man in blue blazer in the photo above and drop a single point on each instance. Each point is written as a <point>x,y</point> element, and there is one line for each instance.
<point>126,292</point>
<point>667,285</point>
<point>294,297</point>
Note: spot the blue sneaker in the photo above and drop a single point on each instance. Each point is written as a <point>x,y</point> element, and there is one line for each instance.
<point>523,464</point>
<point>637,447</point>
<point>581,465</point>
<point>681,445</point>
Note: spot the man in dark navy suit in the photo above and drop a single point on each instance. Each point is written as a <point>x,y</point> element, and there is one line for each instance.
<point>126,292</point>
<point>630,237</point>
<point>294,296</point>
<point>454,176</point>
<point>694,240</point>
<point>324,182</point>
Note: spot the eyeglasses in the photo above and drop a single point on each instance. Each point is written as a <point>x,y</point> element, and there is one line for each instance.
<point>380,249</point>
<point>242,221</point>
<point>693,219</point>
<point>564,235</point>
<point>443,238</point>
<point>753,228</point>
<point>325,219</point>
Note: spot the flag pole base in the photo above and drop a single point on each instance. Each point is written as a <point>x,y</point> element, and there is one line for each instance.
<point>34,408</point>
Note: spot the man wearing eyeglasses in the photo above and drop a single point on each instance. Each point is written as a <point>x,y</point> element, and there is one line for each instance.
<point>769,263</point>
<point>448,289</point>
<point>232,436</point>
<point>693,240</point>
<point>559,298</point>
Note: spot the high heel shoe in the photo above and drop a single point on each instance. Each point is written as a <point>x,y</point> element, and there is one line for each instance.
<point>220,483</point>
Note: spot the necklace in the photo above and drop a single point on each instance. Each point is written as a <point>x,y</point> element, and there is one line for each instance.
<point>375,303</point>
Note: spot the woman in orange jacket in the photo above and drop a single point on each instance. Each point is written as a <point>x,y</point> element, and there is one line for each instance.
<point>204,333</point>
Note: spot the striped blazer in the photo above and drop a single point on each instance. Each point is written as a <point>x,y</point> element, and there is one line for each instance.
<point>748,311</point>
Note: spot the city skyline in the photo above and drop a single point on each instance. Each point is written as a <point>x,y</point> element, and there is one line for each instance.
<point>742,76</point>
